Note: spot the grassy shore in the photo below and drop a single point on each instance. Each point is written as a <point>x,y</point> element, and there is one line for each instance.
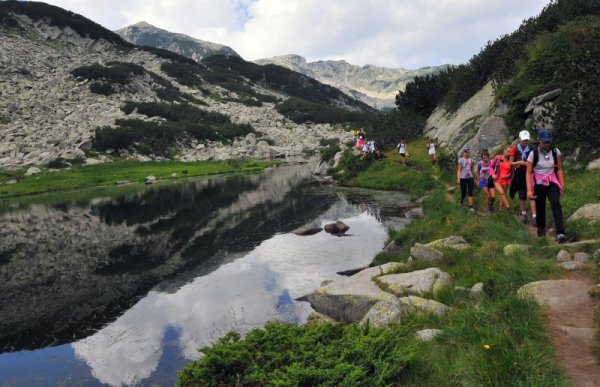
<point>500,340</point>
<point>81,177</point>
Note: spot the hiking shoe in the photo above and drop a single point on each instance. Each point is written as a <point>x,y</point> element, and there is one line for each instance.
<point>541,232</point>
<point>561,238</point>
<point>471,209</point>
<point>524,218</point>
<point>534,221</point>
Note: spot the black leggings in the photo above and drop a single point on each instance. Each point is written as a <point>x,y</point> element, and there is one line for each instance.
<point>552,192</point>
<point>466,185</point>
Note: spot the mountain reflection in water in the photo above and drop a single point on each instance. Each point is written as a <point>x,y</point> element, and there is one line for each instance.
<point>207,257</point>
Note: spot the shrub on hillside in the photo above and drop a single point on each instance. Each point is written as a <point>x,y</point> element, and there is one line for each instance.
<point>115,72</point>
<point>329,152</point>
<point>102,88</point>
<point>305,355</point>
<point>301,110</point>
<point>389,127</point>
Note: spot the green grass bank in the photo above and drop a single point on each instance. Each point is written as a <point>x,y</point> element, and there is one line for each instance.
<point>83,182</point>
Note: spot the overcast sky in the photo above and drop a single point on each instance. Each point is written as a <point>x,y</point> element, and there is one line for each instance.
<point>389,33</point>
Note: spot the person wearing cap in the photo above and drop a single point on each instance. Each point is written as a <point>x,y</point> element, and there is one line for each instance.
<point>545,179</point>
<point>518,158</point>
<point>464,177</point>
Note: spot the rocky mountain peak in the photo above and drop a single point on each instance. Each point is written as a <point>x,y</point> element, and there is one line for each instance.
<point>145,34</point>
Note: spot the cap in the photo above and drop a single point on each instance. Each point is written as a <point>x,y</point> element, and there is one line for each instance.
<point>545,135</point>
<point>524,135</point>
<point>466,149</point>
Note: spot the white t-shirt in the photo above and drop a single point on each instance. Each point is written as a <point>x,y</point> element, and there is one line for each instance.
<point>431,148</point>
<point>546,162</point>
<point>402,148</point>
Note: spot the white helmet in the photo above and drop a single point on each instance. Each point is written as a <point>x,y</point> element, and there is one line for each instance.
<point>524,135</point>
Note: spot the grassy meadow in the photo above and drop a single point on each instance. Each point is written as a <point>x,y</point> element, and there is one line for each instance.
<point>81,177</point>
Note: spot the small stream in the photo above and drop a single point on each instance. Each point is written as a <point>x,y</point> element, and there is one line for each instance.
<point>124,290</point>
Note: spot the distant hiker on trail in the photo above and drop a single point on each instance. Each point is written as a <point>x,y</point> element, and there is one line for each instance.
<point>501,170</point>
<point>545,179</point>
<point>464,175</point>
<point>486,183</point>
<point>518,157</point>
<point>431,151</point>
<point>402,150</point>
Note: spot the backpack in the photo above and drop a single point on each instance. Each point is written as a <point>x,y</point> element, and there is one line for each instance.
<point>495,164</point>
<point>536,157</point>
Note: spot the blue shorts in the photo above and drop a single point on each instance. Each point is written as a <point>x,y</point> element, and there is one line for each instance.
<point>482,183</point>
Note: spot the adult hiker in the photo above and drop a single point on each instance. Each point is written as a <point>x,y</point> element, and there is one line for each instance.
<point>501,170</point>
<point>431,151</point>
<point>464,176</point>
<point>486,183</point>
<point>545,179</point>
<point>402,150</point>
<point>518,158</point>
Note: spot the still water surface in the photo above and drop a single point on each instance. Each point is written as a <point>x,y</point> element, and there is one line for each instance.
<point>123,291</point>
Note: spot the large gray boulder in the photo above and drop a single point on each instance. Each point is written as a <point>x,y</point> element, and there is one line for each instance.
<point>417,283</point>
<point>589,212</point>
<point>595,164</point>
<point>424,253</point>
<point>383,313</point>
<point>349,299</point>
<point>556,294</point>
<point>541,99</point>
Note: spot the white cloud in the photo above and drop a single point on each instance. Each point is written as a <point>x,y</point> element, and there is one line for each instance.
<point>391,33</point>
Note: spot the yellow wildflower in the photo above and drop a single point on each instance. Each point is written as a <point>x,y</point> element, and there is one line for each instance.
<point>486,346</point>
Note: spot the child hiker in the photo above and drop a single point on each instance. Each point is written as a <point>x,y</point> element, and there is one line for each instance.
<point>501,170</point>
<point>464,176</point>
<point>486,183</point>
<point>402,150</point>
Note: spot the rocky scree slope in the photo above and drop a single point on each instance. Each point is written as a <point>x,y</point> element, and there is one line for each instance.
<point>47,113</point>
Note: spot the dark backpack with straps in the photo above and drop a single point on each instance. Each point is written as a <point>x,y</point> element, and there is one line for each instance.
<point>536,157</point>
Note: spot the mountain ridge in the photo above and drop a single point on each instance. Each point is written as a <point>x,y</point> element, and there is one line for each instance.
<point>372,84</point>
<point>145,34</point>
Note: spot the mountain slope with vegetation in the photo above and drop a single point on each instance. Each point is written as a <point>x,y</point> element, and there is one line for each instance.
<point>555,50</point>
<point>75,91</point>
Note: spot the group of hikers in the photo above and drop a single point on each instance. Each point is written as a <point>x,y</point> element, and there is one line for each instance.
<point>534,171</point>
<point>368,148</point>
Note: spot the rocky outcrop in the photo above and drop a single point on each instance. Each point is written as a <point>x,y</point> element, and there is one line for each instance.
<point>542,110</point>
<point>371,295</point>
<point>455,129</point>
<point>144,34</point>
<point>349,299</point>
